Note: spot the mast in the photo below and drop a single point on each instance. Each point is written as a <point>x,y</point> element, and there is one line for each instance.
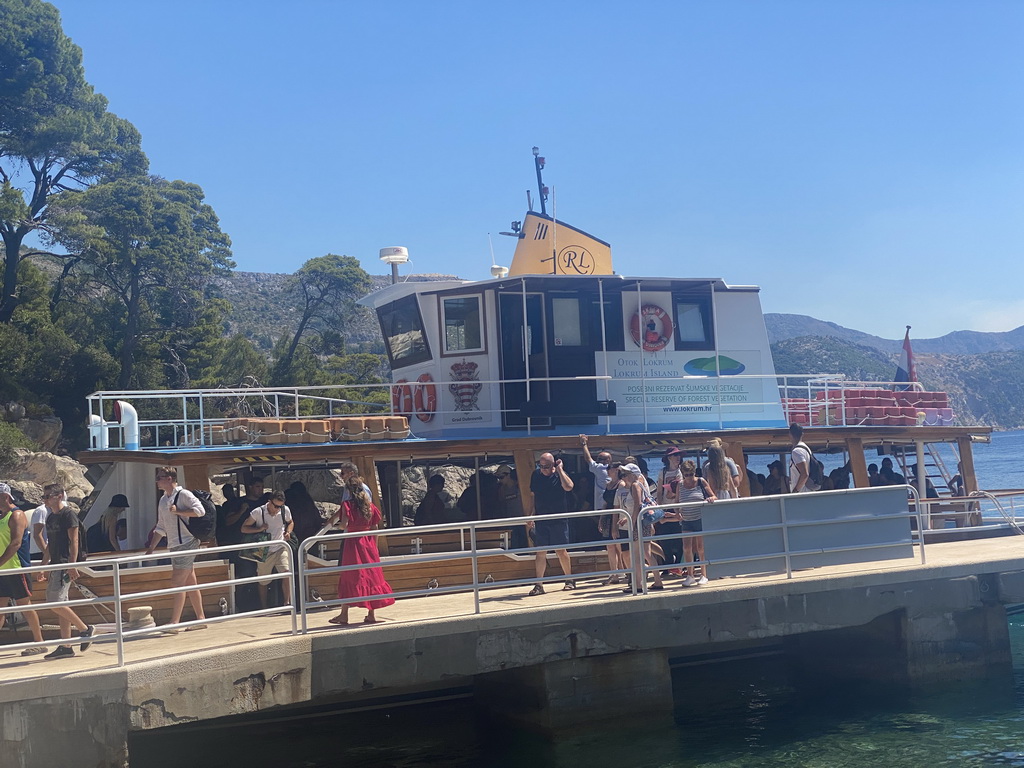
<point>538,162</point>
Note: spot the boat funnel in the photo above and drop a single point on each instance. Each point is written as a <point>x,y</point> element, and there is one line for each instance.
<point>550,247</point>
<point>128,418</point>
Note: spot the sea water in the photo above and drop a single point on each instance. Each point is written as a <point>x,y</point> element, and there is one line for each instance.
<point>749,714</point>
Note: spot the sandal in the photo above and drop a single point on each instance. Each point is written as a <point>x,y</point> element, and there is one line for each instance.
<point>610,580</point>
<point>337,621</point>
<point>537,590</point>
<point>569,585</point>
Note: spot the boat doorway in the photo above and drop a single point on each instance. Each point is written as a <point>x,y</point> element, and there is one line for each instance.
<point>547,336</point>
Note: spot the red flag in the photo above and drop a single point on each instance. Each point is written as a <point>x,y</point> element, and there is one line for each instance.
<point>906,370</point>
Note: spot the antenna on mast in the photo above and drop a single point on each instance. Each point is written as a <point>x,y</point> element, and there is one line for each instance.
<point>496,270</point>
<point>538,162</point>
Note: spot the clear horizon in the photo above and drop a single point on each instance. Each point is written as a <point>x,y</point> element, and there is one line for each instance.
<point>863,162</point>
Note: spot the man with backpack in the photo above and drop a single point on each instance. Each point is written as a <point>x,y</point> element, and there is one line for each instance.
<point>175,509</point>
<point>802,464</point>
<point>274,519</point>
<point>63,545</point>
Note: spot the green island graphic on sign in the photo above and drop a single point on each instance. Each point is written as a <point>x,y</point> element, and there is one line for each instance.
<point>705,366</point>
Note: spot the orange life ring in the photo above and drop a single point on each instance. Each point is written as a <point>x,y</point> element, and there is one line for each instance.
<point>657,327</point>
<point>425,397</point>
<point>401,398</point>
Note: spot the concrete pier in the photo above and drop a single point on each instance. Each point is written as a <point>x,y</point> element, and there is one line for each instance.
<point>549,662</point>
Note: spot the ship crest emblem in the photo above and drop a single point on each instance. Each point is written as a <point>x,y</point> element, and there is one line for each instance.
<point>466,386</point>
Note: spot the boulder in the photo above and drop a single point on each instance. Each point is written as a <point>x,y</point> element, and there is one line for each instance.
<point>27,495</point>
<point>46,433</point>
<point>13,411</point>
<point>43,468</point>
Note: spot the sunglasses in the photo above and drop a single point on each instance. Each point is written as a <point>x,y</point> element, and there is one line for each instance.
<point>277,506</point>
<point>546,466</point>
<point>164,477</point>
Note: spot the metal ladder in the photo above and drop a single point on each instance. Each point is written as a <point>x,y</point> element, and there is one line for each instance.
<point>939,465</point>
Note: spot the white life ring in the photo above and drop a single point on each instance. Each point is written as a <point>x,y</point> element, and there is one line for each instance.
<point>652,326</point>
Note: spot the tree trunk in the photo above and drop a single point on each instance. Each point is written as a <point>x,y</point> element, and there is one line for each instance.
<point>131,332</point>
<point>9,299</point>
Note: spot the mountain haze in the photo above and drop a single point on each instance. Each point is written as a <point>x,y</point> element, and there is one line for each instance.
<point>784,326</point>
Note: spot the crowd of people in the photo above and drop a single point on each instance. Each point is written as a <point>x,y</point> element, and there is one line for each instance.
<point>280,519</point>
<point>276,520</point>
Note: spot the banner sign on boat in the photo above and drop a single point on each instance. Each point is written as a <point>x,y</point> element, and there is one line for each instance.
<point>667,387</point>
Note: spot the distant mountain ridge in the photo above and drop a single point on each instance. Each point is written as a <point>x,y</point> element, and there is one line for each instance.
<point>784,326</point>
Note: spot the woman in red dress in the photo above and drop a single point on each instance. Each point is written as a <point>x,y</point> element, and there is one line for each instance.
<point>358,513</point>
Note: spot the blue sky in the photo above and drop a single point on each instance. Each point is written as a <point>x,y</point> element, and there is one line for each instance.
<point>863,162</point>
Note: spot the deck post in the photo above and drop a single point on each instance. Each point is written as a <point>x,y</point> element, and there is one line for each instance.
<point>963,445</point>
<point>859,466</point>
<point>734,451</point>
<point>524,469</point>
<point>197,477</point>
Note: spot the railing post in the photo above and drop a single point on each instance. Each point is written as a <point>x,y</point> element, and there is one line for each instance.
<point>476,566</point>
<point>785,536</point>
<point>118,624</point>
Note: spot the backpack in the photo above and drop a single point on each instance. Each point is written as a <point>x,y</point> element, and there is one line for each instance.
<point>203,528</point>
<point>815,469</point>
<point>83,548</point>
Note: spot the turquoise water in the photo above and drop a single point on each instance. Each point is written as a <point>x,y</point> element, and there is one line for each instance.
<point>751,714</point>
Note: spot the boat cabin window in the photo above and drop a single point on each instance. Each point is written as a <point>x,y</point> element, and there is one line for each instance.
<point>462,322</point>
<point>402,327</point>
<point>565,315</point>
<point>693,321</point>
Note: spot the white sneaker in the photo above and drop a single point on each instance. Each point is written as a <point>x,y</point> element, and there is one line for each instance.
<point>702,580</point>
<point>689,581</point>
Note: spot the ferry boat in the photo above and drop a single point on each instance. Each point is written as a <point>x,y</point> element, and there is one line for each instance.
<point>497,371</point>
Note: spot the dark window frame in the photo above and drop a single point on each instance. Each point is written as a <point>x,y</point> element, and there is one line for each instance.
<point>443,327</point>
<point>420,356</point>
<point>702,299</point>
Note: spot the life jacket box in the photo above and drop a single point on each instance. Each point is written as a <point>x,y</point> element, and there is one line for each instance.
<point>218,435</point>
<point>293,427</point>
<point>268,431</point>
<point>397,427</point>
<point>318,427</point>
<point>353,428</point>
<point>375,427</point>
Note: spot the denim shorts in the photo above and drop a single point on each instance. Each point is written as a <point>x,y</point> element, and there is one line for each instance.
<point>57,585</point>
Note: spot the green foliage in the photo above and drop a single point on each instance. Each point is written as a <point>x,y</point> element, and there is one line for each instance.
<point>328,287</point>
<point>236,363</point>
<point>10,438</point>
<point>817,354</point>
<point>152,247</point>
<point>55,131</point>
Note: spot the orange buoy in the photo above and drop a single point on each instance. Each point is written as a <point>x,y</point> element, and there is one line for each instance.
<point>425,397</point>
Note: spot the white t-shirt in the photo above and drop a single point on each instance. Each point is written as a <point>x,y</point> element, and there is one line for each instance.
<point>275,523</point>
<point>600,482</point>
<point>38,516</point>
<point>174,526</point>
<point>801,455</point>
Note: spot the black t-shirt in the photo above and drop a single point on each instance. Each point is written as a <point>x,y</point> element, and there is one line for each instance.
<point>57,526</point>
<point>549,497</point>
<point>232,516</point>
